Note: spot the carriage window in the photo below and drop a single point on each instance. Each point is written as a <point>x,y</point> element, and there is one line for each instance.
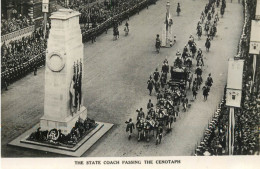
<point>233,97</point>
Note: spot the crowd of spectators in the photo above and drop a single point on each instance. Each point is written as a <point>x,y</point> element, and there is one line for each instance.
<point>247,121</point>
<point>16,23</point>
<point>19,51</point>
<point>97,13</point>
<point>20,57</point>
<point>246,132</point>
<point>214,141</point>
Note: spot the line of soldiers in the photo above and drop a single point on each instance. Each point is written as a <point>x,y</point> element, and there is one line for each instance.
<point>14,74</point>
<point>21,57</point>
<point>119,13</point>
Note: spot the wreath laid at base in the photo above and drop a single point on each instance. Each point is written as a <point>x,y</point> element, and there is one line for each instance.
<point>56,137</point>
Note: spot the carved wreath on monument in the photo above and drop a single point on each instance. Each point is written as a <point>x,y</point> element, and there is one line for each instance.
<point>56,62</point>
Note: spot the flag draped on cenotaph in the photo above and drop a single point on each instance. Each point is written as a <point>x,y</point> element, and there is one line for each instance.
<point>63,73</point>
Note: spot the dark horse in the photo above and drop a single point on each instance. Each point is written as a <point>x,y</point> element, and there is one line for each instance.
<point>207,44</point>
<point>199,32</point>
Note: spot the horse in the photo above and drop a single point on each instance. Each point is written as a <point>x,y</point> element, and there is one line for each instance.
<point>193,50</point>
<point>199,32</point>
<point>202,17</point>
<point>200,61</point>
<point>206,28</point>
<point>188,62</point>
<point>199,81</point>
<point>207,44</point>
<point>222,11</point>
<point>190,77</point>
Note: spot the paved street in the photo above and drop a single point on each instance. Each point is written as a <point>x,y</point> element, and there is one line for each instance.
<point>115,86</point>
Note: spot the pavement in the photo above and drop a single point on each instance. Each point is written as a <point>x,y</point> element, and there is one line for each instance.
<point>115,86</point>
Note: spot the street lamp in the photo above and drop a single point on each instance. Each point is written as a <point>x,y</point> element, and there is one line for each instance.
<point>167,22</point>
<point>168,7</point>
<point>45,10</point>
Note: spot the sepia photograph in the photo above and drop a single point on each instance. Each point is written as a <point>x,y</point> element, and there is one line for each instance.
<point>130,78</point>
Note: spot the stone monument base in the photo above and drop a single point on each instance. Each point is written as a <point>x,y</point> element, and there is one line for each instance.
<point>76,151</point>
<point>167,42</point>
<point>65,125</point>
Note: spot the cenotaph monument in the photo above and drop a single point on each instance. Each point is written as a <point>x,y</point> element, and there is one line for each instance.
<point>64,127</point>
<point>63,73</point>
<point>167,36</point>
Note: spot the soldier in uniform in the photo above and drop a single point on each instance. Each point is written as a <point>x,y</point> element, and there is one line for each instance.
<point>205,92</point>
<point>159,134</point>
<point>198,71</point>
<point>165,67</point>
<point>156,75</point>
<point>35,70</point>
<point>163,80</point>
<point>149,105</point>
<point>150,85</point>
<point>209,80</point>
<point>129,128</point>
